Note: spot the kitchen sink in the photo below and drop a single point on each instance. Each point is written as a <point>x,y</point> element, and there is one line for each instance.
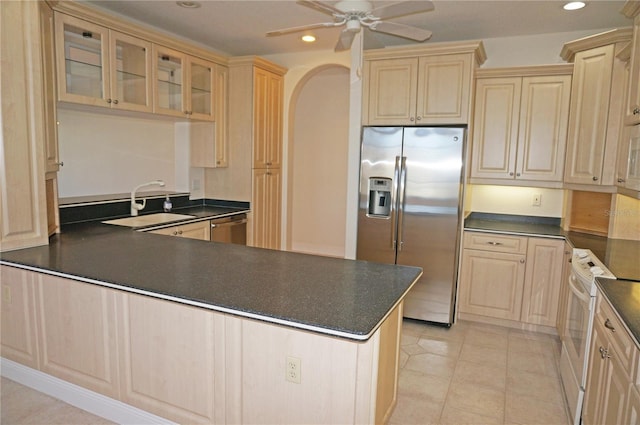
<point>148,220</point>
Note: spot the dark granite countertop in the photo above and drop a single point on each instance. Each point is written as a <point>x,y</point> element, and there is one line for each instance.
<point>624,296</point>
<point>333,296</point>
<point>514,224</point>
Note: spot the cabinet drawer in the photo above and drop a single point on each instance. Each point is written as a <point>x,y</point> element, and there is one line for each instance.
<point>495,242</point>
<point>617,334</point>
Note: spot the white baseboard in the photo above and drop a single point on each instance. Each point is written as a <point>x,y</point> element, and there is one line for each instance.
<point>98,404</point>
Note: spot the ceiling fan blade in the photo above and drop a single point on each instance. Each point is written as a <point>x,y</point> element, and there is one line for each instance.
<point>345,40</point>
<point>400,30</point>
<point>371,41</point>
<point>320,7</point>
<point>300,28</point>
<point>403,8</point>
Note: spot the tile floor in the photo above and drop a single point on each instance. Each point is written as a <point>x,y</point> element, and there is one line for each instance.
<point>468,374</point>
<point>478,374</point>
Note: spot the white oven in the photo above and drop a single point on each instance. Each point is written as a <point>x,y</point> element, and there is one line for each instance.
<point>585,267</point>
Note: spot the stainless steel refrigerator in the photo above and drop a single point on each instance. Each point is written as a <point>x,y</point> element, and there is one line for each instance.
<point>411,188</point>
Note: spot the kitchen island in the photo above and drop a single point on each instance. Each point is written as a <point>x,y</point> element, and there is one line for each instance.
<point>202,332</point>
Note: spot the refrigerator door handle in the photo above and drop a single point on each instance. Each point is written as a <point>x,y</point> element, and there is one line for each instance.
<point>394,200</point>
<point>401,200</point>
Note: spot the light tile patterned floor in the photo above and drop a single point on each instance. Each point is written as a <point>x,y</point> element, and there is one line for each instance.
<point>478,374</point>
<point>468,374</point>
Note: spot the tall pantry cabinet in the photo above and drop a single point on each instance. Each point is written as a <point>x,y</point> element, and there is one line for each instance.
<point>257,85</point>
<point>24,115</point>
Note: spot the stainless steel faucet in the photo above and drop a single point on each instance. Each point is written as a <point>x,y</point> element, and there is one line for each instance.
<point>135,207</point>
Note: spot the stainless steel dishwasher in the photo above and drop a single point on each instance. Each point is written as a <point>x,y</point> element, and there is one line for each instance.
<point>232,229</point>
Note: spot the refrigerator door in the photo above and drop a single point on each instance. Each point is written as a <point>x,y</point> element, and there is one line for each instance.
<point>379,171</point>
<point>429,218</point>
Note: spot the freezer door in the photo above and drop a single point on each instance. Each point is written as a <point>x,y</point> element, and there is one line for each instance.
<point>379,164</point>
<point>429,218</point>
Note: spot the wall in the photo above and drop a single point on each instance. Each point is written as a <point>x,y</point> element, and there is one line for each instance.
<point>105,154</point>
<point>514,200</point>
<point>539,49</point>
<point>318,167</point>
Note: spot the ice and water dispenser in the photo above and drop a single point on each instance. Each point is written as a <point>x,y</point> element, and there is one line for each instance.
<point>379,197</point>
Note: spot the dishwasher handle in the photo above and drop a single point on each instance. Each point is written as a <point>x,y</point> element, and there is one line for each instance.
<point>228,223</point>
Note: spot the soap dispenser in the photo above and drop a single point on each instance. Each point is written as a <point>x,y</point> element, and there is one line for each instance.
<point>167,204</point>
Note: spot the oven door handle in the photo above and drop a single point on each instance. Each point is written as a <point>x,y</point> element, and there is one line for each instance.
<point>581,294</point>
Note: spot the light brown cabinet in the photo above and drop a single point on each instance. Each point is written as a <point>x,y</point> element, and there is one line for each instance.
<point>257,85</point>
<point>167,357</point>
<point>199,230</point>
<point>267,111</point>
<point>420,86</point>
<point>183,85</point>
<point>76,324</point>
<point>511,278</point>
<point>102,67</point>
<point>628,170</point>
<point>597,93</point>
<point>520,124</point>
<point>265,207</point>
<point>22,159</point>
<point>17,295</point>
<point>609,395</point>
<point>632,108</point>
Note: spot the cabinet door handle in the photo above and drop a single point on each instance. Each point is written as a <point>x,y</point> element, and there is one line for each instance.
<point>418,118</point>
<point>620,180</point>
<point>511,174</point>
<point>115,101</point>
<point>595,179</point>
<point>517,174</point>
<point>608,325</point>
<point>61,163</point>
<point>108,100</point>
<point>494,243</point>
<point>636,111</point>
<point>411,119</point>
<point>175,233</point>
<point>522,261</point>
<point>604,353</point>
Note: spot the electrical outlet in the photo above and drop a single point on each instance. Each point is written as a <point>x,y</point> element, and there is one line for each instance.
<point>293,370</point>
<point>536,199</point>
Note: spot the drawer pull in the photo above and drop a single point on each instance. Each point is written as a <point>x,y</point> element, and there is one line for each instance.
<point>494,243</point>
<point>608,325</point>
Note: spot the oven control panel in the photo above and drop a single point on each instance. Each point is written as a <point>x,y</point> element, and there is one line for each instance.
<point>588,265</point>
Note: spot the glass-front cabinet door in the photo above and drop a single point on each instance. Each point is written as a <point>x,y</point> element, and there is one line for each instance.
<point>130,71</point>
<point>201,89</point>
<point>169,82</point>
<point>82,56</point>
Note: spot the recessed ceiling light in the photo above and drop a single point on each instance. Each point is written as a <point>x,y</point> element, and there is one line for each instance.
<point>574,5</point>
<point>188,4</point>
<point>308,38</point>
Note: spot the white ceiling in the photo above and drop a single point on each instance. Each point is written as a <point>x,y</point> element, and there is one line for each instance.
<point>238,27</point>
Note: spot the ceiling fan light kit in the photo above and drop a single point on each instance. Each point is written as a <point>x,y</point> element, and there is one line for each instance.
<point>354,14</point>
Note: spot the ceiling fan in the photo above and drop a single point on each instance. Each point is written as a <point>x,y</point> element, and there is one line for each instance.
<point>354,14</point>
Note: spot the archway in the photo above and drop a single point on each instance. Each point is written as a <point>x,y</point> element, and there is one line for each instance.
<point>318,148</point>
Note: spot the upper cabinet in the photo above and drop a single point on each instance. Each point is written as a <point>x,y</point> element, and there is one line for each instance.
<point>267,111</point>
<point>183,86</point>
<point>420,86</point>
<point>595,120</point>
<point>520,124</point>
<point>632,112</point>
<point>99,66</point>
<point>106,62</point>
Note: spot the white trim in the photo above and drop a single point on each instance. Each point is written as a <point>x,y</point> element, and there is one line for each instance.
<point>79,397</point>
